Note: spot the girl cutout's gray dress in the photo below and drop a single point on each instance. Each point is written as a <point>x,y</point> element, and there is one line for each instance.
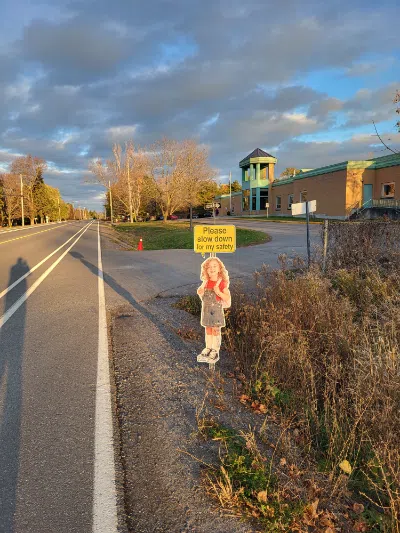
<point>212,312</point>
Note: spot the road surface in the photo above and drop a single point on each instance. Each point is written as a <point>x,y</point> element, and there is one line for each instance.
<point>56,463</point>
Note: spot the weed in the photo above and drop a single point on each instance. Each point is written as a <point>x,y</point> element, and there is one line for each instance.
<point>244,485</point>
<point>191,304</point>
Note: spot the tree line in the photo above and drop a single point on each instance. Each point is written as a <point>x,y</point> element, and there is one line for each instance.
<point>168,177</point>
<point>26,198</point>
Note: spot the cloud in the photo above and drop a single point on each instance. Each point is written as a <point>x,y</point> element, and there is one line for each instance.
<point>74,50</point>
<point>78,77</point>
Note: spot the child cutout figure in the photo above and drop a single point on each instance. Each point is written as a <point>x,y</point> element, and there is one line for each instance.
<point>215,296</point>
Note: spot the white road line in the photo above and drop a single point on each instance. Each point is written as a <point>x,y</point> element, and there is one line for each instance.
<point>8,289</point>
<point>105,493</point>
<point>4,231</point>
<point>30,235</point>
<point>9,313</point>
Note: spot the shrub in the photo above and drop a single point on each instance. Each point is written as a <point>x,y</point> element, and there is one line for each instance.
<point>332,345</point>
<point>190,303</point>
<point>363,244</point>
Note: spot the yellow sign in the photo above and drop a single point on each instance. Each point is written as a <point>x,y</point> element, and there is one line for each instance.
<point>214,239</point>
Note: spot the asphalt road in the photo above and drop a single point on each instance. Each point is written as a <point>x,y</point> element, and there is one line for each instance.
<point>51,333</point>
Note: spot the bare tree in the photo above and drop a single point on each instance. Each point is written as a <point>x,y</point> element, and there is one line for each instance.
<point>125,175</point>
<point>395,101</point>
<point>32,169</point>
<point>178,171</point>
<point>196,173</point>
<point>12,196</point>
<point>165,176</point>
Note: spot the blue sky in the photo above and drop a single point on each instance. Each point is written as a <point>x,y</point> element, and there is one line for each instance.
<point>303,81</point>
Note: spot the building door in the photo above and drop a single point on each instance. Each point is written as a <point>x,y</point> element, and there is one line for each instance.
<point>367,195</point>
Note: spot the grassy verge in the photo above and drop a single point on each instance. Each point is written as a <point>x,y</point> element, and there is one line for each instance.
<point>170,235</point>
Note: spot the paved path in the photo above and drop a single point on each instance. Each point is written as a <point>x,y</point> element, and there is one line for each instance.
<point>143,275</point>
<point>49,346</point>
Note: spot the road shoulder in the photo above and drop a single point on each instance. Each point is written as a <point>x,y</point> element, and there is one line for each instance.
<point>160,391</point>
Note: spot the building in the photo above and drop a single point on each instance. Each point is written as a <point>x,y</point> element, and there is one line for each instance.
<point>341,190</point>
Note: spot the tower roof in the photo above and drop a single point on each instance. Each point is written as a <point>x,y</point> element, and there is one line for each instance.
<point>255,154</point>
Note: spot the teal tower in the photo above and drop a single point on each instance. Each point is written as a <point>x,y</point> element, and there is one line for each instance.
<point>257,177</point>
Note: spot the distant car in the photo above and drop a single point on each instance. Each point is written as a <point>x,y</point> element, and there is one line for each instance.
<point>195,215</point>
<point>173,217</point>
<point>207,214</point>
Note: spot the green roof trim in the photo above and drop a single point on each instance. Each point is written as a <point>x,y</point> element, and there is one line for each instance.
<point>386,161</point>
<point>375,163</point>
<point>283,182</point>
<point>228,195</point>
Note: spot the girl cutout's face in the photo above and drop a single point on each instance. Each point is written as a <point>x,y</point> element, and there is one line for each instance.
<point>213,270</point>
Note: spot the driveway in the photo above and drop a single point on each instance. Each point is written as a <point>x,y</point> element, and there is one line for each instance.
<point>144,275</point>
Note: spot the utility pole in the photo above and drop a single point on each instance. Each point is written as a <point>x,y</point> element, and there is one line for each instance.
<point>230,192</point>
<point>111,206</point>
<point>129,189</point>
<point>59,210</point>
<point>22,201</point>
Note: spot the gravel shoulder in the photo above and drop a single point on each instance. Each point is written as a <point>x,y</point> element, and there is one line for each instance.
<point>160,390</point>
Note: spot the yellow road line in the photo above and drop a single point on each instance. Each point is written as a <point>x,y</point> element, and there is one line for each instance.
<point>31,234</point>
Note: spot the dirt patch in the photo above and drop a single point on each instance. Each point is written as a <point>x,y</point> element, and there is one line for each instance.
<point>111,240</point>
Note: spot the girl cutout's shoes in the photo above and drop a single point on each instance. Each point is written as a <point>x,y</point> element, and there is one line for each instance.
<point>203,357</point>
<point>208,355</point>
<point>213,356</point>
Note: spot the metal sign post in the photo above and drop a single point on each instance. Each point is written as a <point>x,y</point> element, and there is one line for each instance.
<point>305,208</point>
<point>308,235</point>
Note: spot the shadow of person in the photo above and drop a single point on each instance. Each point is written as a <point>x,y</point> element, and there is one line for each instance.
<point>113,284</point>
<point>11,354</point>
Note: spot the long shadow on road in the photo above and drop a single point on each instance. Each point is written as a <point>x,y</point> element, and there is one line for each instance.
<point>11,354</point>
<point>113,284</point>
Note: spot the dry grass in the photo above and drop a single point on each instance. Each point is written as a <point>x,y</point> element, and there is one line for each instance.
<point>325,349</point>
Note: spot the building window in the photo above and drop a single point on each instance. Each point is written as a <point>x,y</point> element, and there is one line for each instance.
<point>388,190</point>
<point>289,201</point>
<point>303,196</point>
<point>263,198</point>
<point>246,203</point>
<point>253,199</point>
<point>278,203</point>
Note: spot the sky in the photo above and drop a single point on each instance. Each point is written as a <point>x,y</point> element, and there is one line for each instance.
<point>302,80</point>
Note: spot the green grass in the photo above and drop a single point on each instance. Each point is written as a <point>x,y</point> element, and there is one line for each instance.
<point>244,481</point>
<point>171,235</point>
